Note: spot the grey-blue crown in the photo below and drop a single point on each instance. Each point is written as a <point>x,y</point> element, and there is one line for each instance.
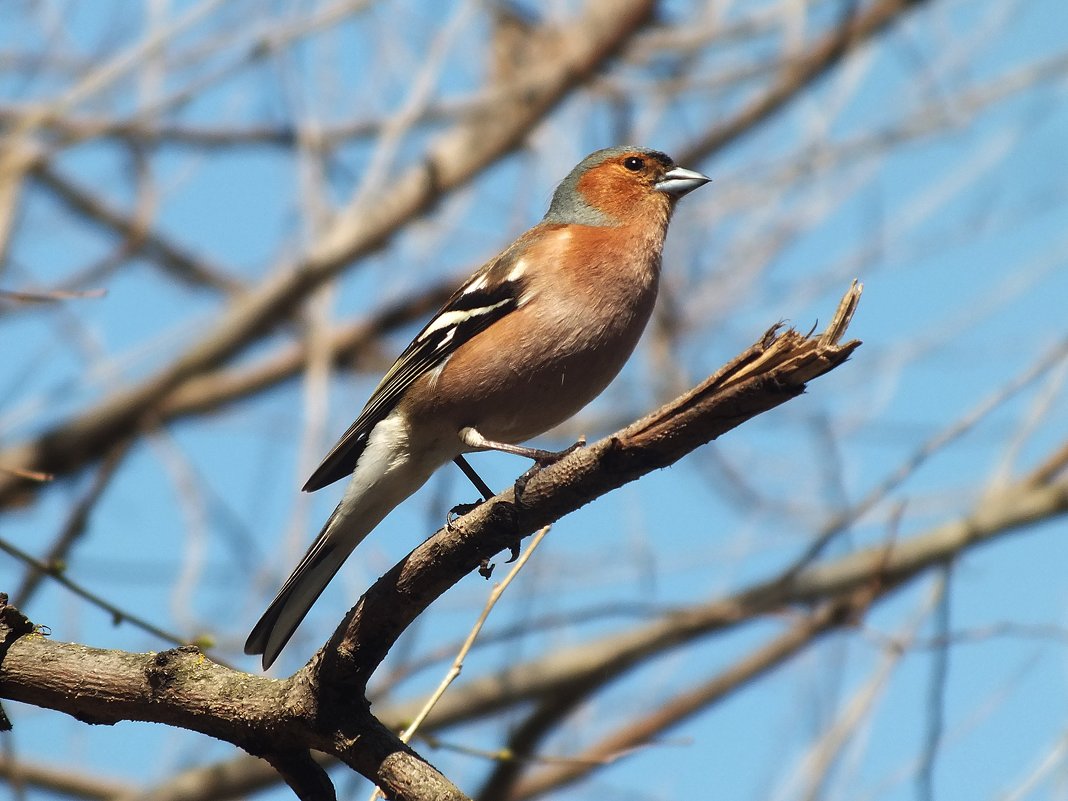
<point>568,206</point>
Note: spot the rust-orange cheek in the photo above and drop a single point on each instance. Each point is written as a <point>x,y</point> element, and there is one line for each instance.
<point>617,194</point>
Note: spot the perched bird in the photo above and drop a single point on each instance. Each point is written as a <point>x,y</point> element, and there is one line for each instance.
<point>532,337</point>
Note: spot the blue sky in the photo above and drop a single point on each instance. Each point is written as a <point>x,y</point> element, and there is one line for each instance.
<point>960,236</point>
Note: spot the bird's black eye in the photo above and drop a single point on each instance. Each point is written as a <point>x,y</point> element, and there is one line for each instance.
<point>633,163</point>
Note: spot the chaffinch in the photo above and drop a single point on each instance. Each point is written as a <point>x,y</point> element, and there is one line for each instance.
<point>528,340</point>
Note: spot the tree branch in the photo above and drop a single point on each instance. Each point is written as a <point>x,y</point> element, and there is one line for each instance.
<point>766,375</point>
<point>801,72</point>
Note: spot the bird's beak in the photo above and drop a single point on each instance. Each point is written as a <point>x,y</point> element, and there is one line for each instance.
<point>678,182</point>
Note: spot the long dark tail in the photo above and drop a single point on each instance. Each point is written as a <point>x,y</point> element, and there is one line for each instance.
<point>303,587</point>
<point>385,475</point>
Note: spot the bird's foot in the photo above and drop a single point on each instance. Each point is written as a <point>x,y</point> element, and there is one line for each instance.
<point>485,567</point>
<point>543,459</point>
<point>458,511</point>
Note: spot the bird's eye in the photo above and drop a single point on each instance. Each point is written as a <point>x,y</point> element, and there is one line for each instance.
<point>633,163</point>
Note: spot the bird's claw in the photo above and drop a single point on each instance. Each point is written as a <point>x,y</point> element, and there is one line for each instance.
<point>544,459</point>
<point>485,566</point>
<point>578,443</point>
<point>521,482</point>
<point>458,511</point>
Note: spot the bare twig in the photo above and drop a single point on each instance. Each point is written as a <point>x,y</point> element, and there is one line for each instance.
<point>74,784</point>
<point>74,526</point>
<point>458,663</point>
<point>674,711</point>
<point>118,615</point>
<point>50,296</point>
<point>136,234</point>
<point>801,71</point>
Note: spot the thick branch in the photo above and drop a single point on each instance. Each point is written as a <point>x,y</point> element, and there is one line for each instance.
<point>874,572</point>
<point>768,374</point>
<point>279,720</point>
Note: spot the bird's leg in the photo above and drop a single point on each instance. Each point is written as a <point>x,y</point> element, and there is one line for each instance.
<point>474,477</point>
<point>473,439</point>
<point>461,509</point>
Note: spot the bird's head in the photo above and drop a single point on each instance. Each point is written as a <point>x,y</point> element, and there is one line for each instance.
<point>619,186</point>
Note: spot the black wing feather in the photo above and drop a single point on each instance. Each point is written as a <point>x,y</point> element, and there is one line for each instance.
<point>473,310</point>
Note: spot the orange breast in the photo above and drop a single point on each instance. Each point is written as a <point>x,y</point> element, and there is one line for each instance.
<point>541,364</point>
